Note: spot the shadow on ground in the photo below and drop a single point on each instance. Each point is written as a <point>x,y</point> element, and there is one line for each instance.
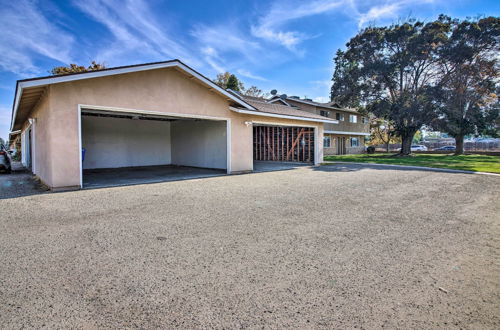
<point>19,183</point>
<point>381,167</point>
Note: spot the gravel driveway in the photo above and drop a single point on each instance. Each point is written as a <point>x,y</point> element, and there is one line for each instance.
<point>329,247</point>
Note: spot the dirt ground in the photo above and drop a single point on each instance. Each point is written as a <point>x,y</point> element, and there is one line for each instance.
<point>342,246</point>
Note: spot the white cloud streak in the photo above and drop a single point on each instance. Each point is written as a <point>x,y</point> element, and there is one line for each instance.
<point>136,30</point>
<point>248,74</point>
<point>27,33</point>
<point>271,26</point>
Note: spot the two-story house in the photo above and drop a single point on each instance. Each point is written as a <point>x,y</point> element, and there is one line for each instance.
<point>346,137</point>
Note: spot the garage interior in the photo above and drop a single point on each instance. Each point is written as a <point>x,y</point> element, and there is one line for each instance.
<point>282,147</point>
<point>127,148</point>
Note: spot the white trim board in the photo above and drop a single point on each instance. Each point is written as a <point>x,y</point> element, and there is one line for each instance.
<point>83,107</point>
<point>267,114</point>
<point>346,133</point>
<point>109,72</point>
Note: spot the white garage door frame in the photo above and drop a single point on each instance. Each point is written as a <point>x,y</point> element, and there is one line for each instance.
<point>82,107</point>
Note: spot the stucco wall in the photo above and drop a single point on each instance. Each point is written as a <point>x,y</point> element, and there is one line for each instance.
<point>199,143</point>
<point>163,90</point>
<point>118,142</point>
<point>41,139</point>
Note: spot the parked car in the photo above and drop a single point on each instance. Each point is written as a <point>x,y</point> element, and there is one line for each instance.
<point>446,148</point>
<point>418,147</point>
<point>5,161</point>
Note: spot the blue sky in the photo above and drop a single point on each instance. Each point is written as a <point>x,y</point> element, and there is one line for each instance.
<point>279,44</point>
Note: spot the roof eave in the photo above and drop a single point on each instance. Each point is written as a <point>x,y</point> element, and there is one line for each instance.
<point>275,115</point>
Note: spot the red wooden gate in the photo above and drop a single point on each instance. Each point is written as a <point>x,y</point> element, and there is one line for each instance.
<point>284,144</point>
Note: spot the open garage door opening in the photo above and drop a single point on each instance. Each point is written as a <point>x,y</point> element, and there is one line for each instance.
<point>283,144</point>
<point>130,148</point>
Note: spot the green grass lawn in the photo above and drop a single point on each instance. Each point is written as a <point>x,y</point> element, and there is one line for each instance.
<point>477,163</point>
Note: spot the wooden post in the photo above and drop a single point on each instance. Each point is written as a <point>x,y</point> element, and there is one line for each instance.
<point>309,146</point>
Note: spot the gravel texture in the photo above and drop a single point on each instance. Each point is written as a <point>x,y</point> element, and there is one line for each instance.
<point>329,247</point>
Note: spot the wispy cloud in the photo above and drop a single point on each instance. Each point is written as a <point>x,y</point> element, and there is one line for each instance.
<point>378,12</point>
<point>248,74</point>
<point>136,30</point>
<point>25,34</point>
<point>387,10</point>
<point>219,42</point>
<point>272,25</point>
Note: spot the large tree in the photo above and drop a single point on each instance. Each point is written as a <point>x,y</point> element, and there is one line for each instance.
<point>466,96</point>
<point>345,89</point>
<point>74,68</point>
<point>390,71</point>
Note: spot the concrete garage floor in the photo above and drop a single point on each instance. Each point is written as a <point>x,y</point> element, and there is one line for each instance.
<point>315,247</point>
<point>267,166</point>
<point>112,177</point>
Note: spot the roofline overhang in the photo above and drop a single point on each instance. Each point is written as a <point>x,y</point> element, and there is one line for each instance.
<point>346,133</point>
<point>272,100</point>
<point>275,115</point>
<point>43,81</point>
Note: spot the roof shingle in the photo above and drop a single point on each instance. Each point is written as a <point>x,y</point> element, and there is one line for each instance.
<point>263,106</point>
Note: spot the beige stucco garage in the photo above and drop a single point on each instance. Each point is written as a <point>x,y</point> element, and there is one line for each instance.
<point>150,114</point>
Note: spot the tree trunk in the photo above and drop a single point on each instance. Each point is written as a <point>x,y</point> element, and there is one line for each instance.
<point>387,147</point>
<point>459,145</point>
<point>406,140</point>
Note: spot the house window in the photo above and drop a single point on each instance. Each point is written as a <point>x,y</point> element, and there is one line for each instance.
<point>364,120</point>
<point>339,116</point>
<point>353,118</point>
<point>324,113</point>
<point>327,142</point>
<point>354,142</point>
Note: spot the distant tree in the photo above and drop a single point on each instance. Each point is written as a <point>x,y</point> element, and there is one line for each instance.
<point>417,138</point>
<point>382,132</point>
<point>74,68</point>
<point>223,79</point>
<point>390,70</point>
<point>254,91</point>
<point>228,80</point>
<point>2,143</point>
<point>466,97</point>
<point>233,83</point>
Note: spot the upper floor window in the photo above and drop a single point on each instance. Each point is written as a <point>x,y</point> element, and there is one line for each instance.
<point>339,116</point>
<point>353,118</point>
<point>364,120</point>
<point>327,142</point>
<point>324,113</point>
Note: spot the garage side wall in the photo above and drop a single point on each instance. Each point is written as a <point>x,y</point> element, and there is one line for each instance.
<point>119,142</point>
<point>41,139</point>
<point>199,144</point>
